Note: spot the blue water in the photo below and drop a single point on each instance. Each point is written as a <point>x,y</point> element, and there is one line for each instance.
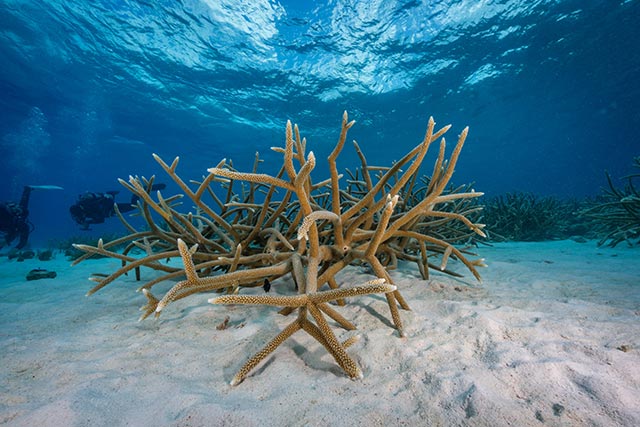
<point>89,89</point>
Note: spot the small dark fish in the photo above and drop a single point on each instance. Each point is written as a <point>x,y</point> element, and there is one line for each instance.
<point>267,285</point>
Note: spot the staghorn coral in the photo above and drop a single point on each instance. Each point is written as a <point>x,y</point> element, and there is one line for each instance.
<point>527,217</point>
<point>617,212</point>
<point>65,245</point>
<point>311,232</point>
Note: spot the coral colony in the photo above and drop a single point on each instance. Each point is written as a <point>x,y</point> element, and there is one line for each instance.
<point>617,211</point>
<point>288,225</point>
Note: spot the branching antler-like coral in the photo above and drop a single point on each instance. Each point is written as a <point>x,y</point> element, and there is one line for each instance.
<point>311,232</point>
<point>526,217</point>
<point>617,212</point>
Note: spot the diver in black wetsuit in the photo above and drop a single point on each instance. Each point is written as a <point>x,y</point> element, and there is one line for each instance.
<point>94,208</point>
<point>14,220</point>
<point>14,217</point>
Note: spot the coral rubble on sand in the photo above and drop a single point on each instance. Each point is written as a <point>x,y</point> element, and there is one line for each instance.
<point>311,232</point>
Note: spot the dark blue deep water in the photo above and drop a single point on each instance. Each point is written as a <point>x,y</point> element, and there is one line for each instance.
<point>89,89</point>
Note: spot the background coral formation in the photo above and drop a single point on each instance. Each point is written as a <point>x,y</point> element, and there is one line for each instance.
<point>617,211</point>
<point>248,230</point>
<point>527,217</point>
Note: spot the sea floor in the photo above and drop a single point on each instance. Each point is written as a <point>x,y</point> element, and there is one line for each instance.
<point>551,337</point>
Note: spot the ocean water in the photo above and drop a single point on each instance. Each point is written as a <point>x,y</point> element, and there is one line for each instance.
<point>550,90</point>
<point>89,90</point>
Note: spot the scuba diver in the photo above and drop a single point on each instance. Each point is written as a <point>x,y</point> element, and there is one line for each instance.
<point>14,217</point>
<point>94,208</point>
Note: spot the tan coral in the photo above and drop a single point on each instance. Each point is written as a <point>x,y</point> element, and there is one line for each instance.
<point>250,228</point>
<point>314,304</point>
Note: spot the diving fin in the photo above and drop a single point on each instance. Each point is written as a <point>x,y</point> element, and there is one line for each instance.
<point>45,187</point>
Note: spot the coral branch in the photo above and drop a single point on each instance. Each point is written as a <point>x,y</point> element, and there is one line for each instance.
<point>248,233</point>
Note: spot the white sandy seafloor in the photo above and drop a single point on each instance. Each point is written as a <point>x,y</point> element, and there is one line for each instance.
<point>550,338</point>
